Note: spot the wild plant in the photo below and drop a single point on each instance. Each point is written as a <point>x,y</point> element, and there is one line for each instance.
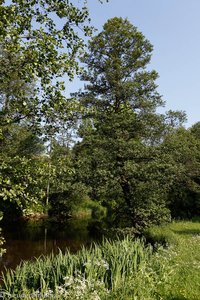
<point>101,268</point>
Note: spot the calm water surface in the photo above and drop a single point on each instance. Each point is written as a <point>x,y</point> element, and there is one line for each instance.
<point>27,240</point>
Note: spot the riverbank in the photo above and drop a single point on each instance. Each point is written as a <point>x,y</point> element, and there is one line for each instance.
<point>27,240</point>
<point>184,240</point>
<point>121,269</point>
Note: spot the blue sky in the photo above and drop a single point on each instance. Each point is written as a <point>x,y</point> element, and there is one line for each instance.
<point>173,27</point>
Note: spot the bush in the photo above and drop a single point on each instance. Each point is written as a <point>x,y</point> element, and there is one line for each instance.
<point>63,203</point>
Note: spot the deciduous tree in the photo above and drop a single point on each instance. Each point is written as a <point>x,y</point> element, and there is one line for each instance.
<point>39,44</point>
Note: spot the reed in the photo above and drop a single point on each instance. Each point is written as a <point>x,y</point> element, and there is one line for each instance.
<point>106,268</point>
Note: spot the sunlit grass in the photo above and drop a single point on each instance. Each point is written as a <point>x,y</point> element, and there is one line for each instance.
<point>184,238</point>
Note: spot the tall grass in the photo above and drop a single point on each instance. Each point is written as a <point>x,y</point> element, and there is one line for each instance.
<point>127,269</point>
<point>183,238</point>
<point>101,272</point>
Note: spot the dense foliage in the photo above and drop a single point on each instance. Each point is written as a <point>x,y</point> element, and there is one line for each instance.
<point>39,44</point>
<point>123,153</point>
<point>135,165</point>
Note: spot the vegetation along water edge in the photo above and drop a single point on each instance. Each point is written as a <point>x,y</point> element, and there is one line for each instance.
<point>128,268</point>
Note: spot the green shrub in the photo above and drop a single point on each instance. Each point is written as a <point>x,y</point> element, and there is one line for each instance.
<point>98,211</point>
<point>63,203</point>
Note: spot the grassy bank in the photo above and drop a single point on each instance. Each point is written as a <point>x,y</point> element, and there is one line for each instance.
<point>123,269</point>
<point>184,239</point>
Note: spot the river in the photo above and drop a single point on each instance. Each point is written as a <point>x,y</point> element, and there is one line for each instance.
<point>28,240</point>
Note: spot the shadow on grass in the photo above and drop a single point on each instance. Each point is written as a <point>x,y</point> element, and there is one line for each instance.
<point>187,232</point>
<point>176,298</point>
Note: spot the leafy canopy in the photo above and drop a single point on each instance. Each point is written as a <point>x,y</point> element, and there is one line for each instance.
<point>39,44</point>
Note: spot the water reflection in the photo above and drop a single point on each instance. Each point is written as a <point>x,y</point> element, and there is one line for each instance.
<point>27,240</point>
